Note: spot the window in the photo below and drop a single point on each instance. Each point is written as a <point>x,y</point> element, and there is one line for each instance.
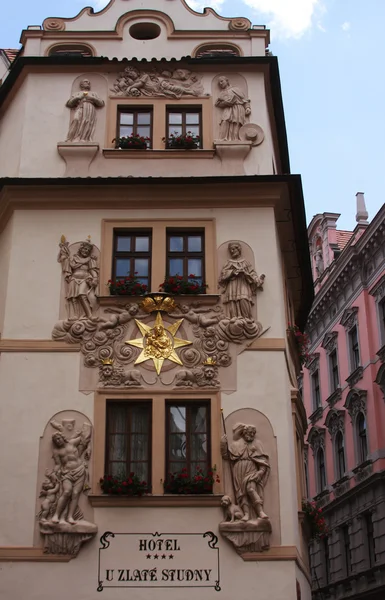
<point>132,254</point>
<point>362,440</point>
<point>321,470</point>
<point>135,121</point>
<point>184,121</point>
<point>340,454</point>
<point>354,349</point>
<point>334,376</point>
<point>188,437</point>
<point>370,541</point>
<point>326,556</point>
<point>128,439</point>
<point>71,50</point>
<point>347,553</point>
<point>381,307</point>
<point>316,390</point>
<point>185,253</point>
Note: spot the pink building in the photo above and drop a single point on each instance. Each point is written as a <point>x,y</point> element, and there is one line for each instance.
<point>343,389</point>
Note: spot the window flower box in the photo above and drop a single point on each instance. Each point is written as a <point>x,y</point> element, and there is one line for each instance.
<point>199,483</point>
<point>176,285</point>
<point>127,286</point>
<point>129,486</point>
<point>132,142</point>
<point>187,141</point>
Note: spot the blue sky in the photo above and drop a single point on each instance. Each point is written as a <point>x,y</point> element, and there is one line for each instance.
<point>331,63</point>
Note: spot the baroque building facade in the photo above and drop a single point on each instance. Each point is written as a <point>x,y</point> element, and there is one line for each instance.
<point>153,251</point>
<point>344,392</point>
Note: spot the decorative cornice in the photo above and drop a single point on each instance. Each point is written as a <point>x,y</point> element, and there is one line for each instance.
<point>312,364</point>
<point>316,438</point>
<point>334,397</point>
<point>349,317</point>
<point>355,376</point>
<point>363,471</point>
<point>329,342</point>
<point>378,290</point>
<point>335,421</point>
<point>380,379</point>
<point>341,486</point>
<point>356,402</point>
<point>381,354</point>
<point>322,498</point>
<point>316,415</point>
<point>104,500</point>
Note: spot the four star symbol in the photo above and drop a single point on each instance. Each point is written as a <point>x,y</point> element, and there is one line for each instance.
<point>158,342</point>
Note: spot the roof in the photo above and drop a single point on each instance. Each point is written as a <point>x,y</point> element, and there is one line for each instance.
<point>10,53</point>
<point>343,238</point>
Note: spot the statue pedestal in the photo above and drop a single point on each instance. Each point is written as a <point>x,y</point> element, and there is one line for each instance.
<point>64,538</point>
<point>247,536</point>
<point>232,155</point>
<point>78,156</point>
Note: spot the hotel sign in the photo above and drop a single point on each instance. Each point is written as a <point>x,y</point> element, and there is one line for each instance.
<point>163,560</point>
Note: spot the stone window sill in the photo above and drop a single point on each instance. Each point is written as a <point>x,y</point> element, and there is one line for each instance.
<point>334,397</point>
<point>188,501</point>
<point>316,415</point>
<point>209,299</point>
<point>187,154</point>
<point>355,376</point>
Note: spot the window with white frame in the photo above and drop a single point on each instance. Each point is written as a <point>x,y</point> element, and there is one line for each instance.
<point>354,348</point>
<point>339,447</point>
<point>362,437</point>
<point>381,314</point>
<point>333,371</point>
<point>316,390</point>
<point>321,470</point>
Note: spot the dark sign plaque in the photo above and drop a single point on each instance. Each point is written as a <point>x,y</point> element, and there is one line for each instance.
<point>163,560</point>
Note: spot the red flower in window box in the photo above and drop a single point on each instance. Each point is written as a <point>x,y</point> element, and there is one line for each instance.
<point>129,286</point>
<point>122,487</point>
<point>186,141</point>
<point>177,285</point>
<point>132,142</point>
<point>301,341</point>
<point>314,521</point>
<point>199,482</point>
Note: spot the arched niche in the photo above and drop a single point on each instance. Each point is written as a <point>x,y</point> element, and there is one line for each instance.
<point>237,81</point>
<point>265,434</point>
<point>99,84</point>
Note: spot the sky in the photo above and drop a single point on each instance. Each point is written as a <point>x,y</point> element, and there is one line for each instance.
<point>330,55</point>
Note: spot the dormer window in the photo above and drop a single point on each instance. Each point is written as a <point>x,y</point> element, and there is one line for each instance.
<point>215,50</point>
<point>71,50</point>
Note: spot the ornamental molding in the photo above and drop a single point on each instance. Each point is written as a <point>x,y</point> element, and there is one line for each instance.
<point>356,402</point>
<point>329,343</point>
<point>316,438</point>
<point>381,354</point>
<point>312,363</point>
<point>335,421</point>
<point>334,397</point>
<point>380,379</point>
<point>378,290</point>
<point>355,376</point>
<point>363,471</point>
<point>161,82</point>
<point>316,415</point>
<point>349,317</point>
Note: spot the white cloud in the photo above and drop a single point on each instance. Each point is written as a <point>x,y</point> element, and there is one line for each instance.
<point>320,27</point>
<point>199,5</point>
<point>345,26</point>
<point>287,18</point>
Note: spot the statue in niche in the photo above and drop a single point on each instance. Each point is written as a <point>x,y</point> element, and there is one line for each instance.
<point>319,262</point>
<point>81,273</point>
<point>235,110</point>
<point>61,520</point>
<point>250,470</point>
<point>82,126</point>
<point>181,82</point>
<point>240,283</point>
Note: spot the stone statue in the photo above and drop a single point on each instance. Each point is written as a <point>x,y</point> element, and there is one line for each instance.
<point>250,470</point>
<point>82,126</point>
<point>81,273</point>
<point>134,82</point>
<point>319,262</point>
<point>240,283</point>
<point>61,520</point>
<point>72,473</point>
<point>236,109</point>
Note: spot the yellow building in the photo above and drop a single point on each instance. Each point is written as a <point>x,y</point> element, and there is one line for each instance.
<point>153,250</point>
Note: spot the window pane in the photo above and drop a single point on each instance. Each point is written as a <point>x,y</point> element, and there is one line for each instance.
<point>176,266</point>
<point>175,118</point>
<point>192,118</point>
<point>118,447</point>
<point>139,419</point>
<point>143,280</point>
<point>143,130</point>
<point>195,267</point>
<point>141,470</point>
<point>123,244</point>
<point>144,118</point>
<point>175,467</point>
<point>118,469</point>
<point>198,419</point>
<point>199,447</point>
<point>177,446</point>
<point>117,419</point>
<point>139,447</point>
<point>125,131</point>
<point>122,267</point>
<point>141,266</point>
<point>177,419</point>
<point>193,130</point>
<point>176,244</point>
<point>126,118</point>
<point>194,243</point>
<point>142,244</point>
<point>174,131</point>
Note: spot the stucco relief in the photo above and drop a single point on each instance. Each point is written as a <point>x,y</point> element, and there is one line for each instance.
<point>316,439</point>
<point>356,402</point>
<point>335,421</point>
<point>233,106</point>
<point>136,343</point>
<point>250,503</point>
<point>329,343</point>
<point>157,83</point>
<point>65,452</point>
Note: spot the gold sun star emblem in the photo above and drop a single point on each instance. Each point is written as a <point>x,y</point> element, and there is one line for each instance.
<point>158,342</point>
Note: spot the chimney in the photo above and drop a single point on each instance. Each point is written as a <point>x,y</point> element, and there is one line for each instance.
<point>362,213</point>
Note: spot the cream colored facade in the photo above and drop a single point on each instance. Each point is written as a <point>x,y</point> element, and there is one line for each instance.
<point>231,190</point>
